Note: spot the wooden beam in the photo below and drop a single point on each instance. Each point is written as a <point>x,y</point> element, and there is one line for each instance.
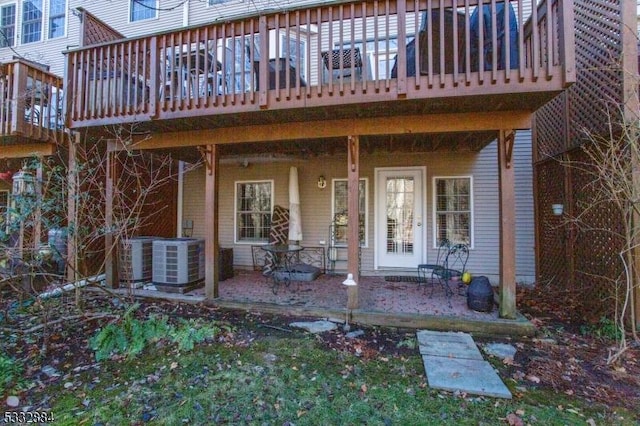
<point>72,223</point>
<point>353,213</point>
<point>37,219</point>
<point>426,123</point>
<point>507,230</point>
<point>25,150</point>
<point>212,159</point>
<point>110,252</point>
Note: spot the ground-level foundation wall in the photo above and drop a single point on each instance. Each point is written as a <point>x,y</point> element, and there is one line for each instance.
<point>316,203</point>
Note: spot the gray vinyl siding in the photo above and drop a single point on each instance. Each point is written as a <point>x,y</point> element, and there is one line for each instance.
<point>316,203</point>
<point>525,219</point>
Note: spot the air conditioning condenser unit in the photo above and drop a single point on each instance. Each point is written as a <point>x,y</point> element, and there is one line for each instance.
<point>178,261</point>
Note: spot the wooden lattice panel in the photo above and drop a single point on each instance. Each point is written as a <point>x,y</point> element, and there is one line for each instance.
<point>550,128</point>
<point>598,80</point>
<point>551,237</point>
<point>595,245</point>
<point>598,77</point>
<point>95,31</point>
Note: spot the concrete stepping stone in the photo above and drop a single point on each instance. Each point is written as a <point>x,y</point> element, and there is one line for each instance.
<point>465,375</point>
<point>453,362</point>
<point>314,326</point>
<point>448,344</point>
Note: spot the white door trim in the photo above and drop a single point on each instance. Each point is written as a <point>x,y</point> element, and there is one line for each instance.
<point>378,220</point>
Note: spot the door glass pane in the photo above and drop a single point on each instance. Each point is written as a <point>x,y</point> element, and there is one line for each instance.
<point>400,212</point>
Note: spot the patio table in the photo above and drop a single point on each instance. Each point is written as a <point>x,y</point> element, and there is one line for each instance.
<point>284,256</point>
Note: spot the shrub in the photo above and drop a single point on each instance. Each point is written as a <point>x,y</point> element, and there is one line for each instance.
<point>10,373</point>
<point>130,336</point>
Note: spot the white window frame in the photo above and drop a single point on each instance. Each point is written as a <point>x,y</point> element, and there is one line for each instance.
<point>155,12</point>
<point>15,21</point>
<point>50,16</point>
<point>365,243</point>
<point>236,184</point>
<point>23,22</point>
<point>471,208</point>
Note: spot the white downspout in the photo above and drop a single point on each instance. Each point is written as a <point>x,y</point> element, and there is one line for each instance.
<point>185,13</point>
<point>180,193</point>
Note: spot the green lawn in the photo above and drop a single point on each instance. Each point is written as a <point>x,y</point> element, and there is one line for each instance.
<point>285,379</point>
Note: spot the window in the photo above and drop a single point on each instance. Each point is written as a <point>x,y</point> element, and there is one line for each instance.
<point>453,210</point>
<point>296,50</point>
<point>254,204</point>
<point>31,21</point>
<point>142,9</point>
<point>381,57</point>
<point>213,2</point>
<point>238,71</point>
<point>8,25</point>
<point>340,209</point>
<point>57,18</point>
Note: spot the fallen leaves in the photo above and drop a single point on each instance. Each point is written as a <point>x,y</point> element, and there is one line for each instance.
<point>514,420</point>
<point>534,379</point>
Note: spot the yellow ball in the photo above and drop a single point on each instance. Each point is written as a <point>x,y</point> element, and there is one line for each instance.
<point>466,278</point>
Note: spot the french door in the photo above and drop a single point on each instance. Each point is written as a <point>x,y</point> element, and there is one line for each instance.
<point>400,221</point>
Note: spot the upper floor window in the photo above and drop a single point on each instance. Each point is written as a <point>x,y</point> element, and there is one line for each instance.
<point>453,210</point>
<point>254,204</point>
<point>212,2</point>
<point>143,9</point>
<point>31,21</point>
<point>8,25</point>
<point>57,18</point>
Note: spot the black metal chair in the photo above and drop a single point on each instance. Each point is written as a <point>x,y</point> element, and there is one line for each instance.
<point>453,268</point>
<point>451,265</point>
<point>425,270</point>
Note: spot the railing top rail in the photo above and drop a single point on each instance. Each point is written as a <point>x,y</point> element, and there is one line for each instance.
<point>32,66</point>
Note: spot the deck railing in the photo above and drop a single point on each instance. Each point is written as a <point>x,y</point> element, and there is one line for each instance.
<point>330,54</point>
<point>32,103</point>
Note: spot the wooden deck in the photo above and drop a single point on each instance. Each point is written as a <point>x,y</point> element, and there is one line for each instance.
<point>345,60</point>
<point>31,115</point>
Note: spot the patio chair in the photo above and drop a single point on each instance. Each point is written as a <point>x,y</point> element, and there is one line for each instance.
<point>341,63</point>
<point>425,270</point>
<point>452,269</point>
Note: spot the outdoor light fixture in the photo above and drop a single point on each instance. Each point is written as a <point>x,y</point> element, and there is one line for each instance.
<point>322,182</point>
<point>349,281</point>
<point>23,183</point>
<point>557,209</point>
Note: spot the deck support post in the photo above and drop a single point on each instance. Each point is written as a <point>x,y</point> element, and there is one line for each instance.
<point>72,223</point>
<point>631,103</point>
<point>37,219</point>
<point>353,224</point>
<point>507,225</point>
<point>110,242</point>
<point>211,155</point>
